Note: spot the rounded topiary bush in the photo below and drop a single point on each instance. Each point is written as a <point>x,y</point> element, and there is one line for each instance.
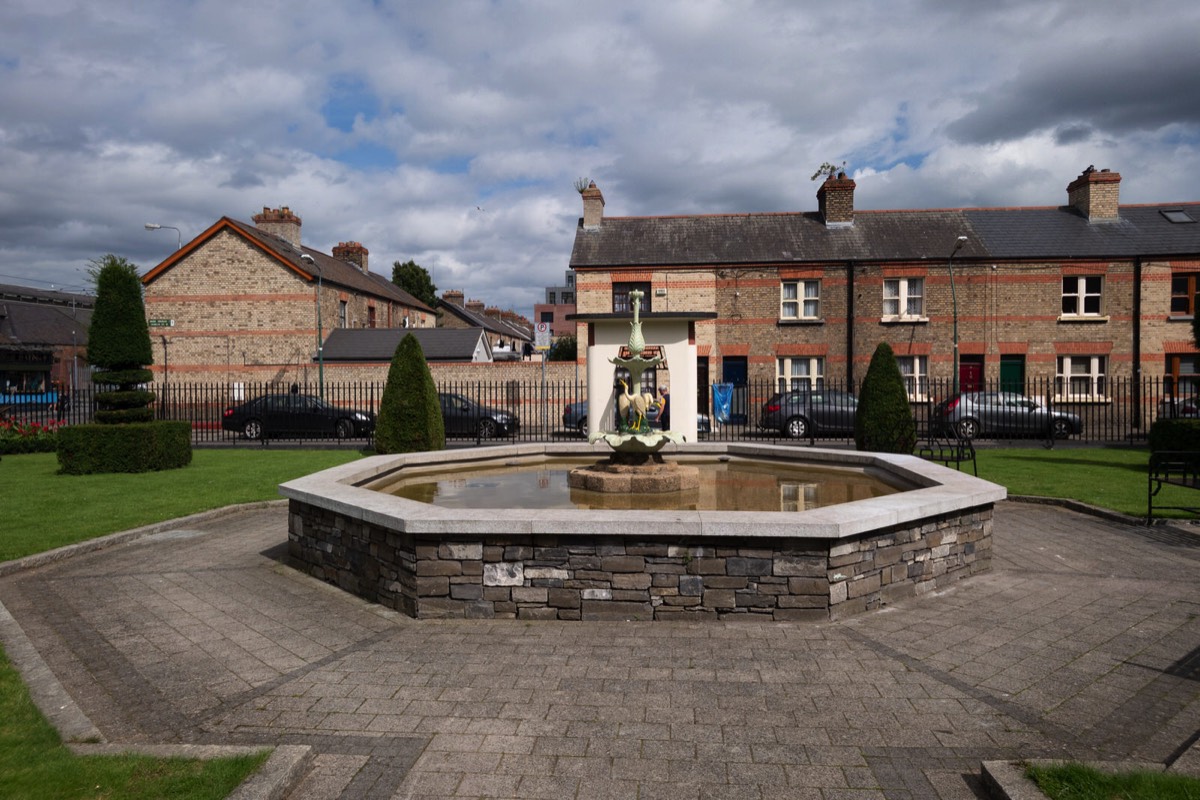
<point>1175,434</point>
<point>410,416</point>
<point>884,422</point>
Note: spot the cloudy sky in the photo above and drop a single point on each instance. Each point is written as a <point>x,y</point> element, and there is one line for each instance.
<point>451,132</point>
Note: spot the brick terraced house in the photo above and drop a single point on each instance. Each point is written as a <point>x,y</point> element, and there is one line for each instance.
<point>1068,296</point>
<point>239,302</point>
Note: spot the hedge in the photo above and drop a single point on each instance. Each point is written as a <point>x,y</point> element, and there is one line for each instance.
<point>137,447</point>
<point>1175,434</point>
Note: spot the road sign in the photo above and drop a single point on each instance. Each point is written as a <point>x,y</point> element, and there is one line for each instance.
<point>161,323</point>
<point>542,336</point>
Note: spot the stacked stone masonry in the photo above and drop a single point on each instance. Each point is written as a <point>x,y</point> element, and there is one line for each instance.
<point>637,578</point>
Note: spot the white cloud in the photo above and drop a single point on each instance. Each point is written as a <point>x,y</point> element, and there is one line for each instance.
<point>182,113</point>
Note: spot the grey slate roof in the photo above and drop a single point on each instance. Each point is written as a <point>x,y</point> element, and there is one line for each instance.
<point>36,318</point>
<point>497,326</point>
<point>1000,234</point>
<point>379,344</point>
<point>334,270</point>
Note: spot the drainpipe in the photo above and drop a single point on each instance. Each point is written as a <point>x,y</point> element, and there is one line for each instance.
<point>850,327</point>
<point>1137,342</point>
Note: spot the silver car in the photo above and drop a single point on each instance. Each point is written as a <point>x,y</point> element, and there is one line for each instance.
<point>803,413</point>
<point>973,414</point>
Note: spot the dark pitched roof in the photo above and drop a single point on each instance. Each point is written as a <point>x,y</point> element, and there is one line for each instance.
<point>492,324</point>
<point>333,271</point>
<point>40,318</point>
<point>379,344</point>
<point>1002,233</point>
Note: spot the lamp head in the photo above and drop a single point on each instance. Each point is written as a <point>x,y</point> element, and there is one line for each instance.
<point>150,226</point>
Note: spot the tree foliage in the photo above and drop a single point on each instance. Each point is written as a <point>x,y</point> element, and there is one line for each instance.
<point>415,279</point>
<point>884,422</point>
<point>564,348</point>
<point>410,416</point>
<point>119,342</point>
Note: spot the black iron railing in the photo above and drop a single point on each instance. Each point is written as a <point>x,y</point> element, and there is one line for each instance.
<point>1123,412</point>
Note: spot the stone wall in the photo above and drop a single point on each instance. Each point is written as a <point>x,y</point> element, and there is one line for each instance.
<point>577,577</point>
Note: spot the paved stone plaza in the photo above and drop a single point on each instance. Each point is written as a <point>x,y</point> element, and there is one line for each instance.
<point>1083,641</point>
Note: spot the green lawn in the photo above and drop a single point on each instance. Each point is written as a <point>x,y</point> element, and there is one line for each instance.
<point>1077,782</point>
<point>1113,478</point>
<point>35,764</point>
<point>44,510</point>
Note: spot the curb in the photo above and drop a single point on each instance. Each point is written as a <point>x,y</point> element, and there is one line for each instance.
<point>1005,780</point>
<point>124,537</point>
<point>284,768</point>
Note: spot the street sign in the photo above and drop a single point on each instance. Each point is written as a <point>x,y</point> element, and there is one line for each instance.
<point>161,323</point>
<point>542,336</point>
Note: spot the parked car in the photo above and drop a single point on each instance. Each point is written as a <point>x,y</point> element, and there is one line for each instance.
<point>973,414</point>
<point>462,416</point>
<point>805,413</point>
<point>575,418</point>
<point>1179,408</point>
<point>296,415</point>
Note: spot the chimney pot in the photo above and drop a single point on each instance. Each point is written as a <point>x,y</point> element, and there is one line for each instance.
<point>835,201</point>
<point>593,206</point>
<point>1096,195</point>
<point>279,222</point>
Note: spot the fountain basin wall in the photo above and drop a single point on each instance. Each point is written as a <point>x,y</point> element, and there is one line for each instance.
<point>569,564</point>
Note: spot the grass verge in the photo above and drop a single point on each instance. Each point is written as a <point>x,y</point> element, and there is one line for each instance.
<point>1079,782</point>
<point>1113,478</point>
<point>34,763</point>
<point>44,510</point>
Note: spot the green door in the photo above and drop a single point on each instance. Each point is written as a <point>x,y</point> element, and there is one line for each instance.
<point>1012,374</point>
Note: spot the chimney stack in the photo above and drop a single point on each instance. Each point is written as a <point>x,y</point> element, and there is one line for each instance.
<point>593,206</point>
<point>1096,195</point>
<point>280,222</point>
<point>453,296</point>
<point>353,252</point>
<point>835,201</point>
<point>475,306</point>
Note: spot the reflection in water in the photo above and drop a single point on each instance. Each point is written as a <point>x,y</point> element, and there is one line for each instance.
<point>733,486</point>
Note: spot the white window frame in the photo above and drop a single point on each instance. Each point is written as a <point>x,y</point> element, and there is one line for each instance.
<point>1074,369</point>
<point>1079,294</point>
<point>800,299</point>
<point>906,292</point>
<point>915,372</point>
<point>795,373</point>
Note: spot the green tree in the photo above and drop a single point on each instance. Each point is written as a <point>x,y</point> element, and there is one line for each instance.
<point>119,343</point>
<point>564,348</point>
<point>415,279</point>
<point>126,437</point>
<point>884,422</point>
<point>410,416</point>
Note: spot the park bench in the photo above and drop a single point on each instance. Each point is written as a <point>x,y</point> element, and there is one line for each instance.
<point>945,446</point>
<point>1172,468</point>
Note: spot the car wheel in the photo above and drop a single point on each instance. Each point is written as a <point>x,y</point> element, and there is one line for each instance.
<point>487,428</point>
<point>1060,429</point>
<point>967,428</point>
<point>344,429</point>
<point>582,426</point>
<point>796,428</point>
<point>252,429</point>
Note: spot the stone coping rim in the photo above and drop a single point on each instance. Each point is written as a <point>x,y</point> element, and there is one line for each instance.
<point>940,491</point>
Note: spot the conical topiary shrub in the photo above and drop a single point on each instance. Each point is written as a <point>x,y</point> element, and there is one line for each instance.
<point>410,416</point>
<point>126,437</point>
<point>884,422</point>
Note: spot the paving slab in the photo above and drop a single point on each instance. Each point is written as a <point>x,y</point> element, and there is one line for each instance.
<point>1081,643</point>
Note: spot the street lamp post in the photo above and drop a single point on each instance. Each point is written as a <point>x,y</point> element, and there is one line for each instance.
<point>954,301</point>
<point>154,226</point>
<point>307,259</point>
